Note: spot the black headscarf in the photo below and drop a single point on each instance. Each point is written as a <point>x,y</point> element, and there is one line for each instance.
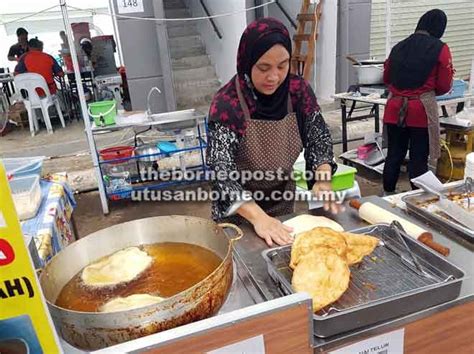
<point>226,108</point>
<point>255,43</point>
<point>413,59</point>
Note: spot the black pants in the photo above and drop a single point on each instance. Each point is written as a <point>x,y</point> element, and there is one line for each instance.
<point>399,139</point>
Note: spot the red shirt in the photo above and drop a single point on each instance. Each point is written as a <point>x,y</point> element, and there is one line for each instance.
<point>440,80</point>
<point>41,63</point>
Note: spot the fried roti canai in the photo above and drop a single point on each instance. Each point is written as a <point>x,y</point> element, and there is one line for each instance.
<point>319,237</point>
<point>359,246</point>
<point>323,274</point>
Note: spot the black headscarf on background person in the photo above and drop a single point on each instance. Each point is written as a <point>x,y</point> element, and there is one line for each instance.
<point>274,106</point>
<point>413,59</point>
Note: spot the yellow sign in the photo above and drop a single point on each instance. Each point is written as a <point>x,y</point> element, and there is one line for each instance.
<point>25,324</point>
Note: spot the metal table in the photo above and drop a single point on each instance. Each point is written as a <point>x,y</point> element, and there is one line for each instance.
<point>141,125</point>
<point>70,102</point>
<point>347,116</point>
<point>6,79</point>
<point>248,254</point>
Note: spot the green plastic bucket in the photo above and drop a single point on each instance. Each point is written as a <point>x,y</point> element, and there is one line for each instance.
<point>103,112</point>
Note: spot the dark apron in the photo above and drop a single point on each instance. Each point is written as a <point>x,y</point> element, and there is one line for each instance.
<point>428,99</point>
<point>269,146</point>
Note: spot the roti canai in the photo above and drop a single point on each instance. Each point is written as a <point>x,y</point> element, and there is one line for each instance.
<point>322,274</point>
<point>130,302</point>
<point>119,267</point>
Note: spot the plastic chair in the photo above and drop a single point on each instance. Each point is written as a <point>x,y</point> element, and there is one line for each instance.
<point>30,82</point>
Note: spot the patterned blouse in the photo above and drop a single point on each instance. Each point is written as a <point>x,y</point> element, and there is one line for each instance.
<point>223,143</point>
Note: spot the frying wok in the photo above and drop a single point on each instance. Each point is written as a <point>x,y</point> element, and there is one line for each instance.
<point>94,330</point>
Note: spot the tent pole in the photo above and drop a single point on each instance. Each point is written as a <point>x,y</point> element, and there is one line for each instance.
<point>82,101</point>
<point>116,33</point>
<point>388,29</point>
<point>471,83</point>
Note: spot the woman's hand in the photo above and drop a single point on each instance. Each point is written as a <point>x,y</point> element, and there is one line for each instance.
<point>272,231</point>
<point>266,227</point>
<point>322,190</point>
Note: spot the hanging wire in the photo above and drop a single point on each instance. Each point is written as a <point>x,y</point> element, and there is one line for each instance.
<point>30,15</point>
<point>96,12</point>
<point>175,19</point>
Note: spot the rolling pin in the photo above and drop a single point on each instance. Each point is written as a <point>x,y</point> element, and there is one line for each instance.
<point>374,214</point>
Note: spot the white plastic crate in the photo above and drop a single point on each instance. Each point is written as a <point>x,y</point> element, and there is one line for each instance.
<point>26,192</point>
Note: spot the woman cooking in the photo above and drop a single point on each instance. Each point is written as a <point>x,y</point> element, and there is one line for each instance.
<point>418,69</point>
<point>261,120</point>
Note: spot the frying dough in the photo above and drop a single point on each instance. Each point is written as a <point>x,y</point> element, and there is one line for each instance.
<point>119,267</point>
<point>322,274</point>
<point>302,223</point>
<point>319,237</point>
<point>130,302</point>
<point>359,246</point>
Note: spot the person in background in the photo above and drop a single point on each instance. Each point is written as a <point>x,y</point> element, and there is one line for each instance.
<point>260,121</point>
<point>418,69</point>
<point>35,61</point>
<point>20,48</point>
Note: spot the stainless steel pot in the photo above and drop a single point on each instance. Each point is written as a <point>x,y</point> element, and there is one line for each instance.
<point>370,74</point>
<point>90,331</point>
<point>147,149</point>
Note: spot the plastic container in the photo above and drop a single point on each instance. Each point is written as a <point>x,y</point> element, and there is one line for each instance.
<point>23,166</point>
<point>469,168</point>
<point>26,194</point>
<point>118,181</point>
<point>459,87</point>
<point>343,178</point>
<point>103,112</point>
<point>364,151</point>
<point>167,147</point>
<point>189,139</point>
<point>116,152</point>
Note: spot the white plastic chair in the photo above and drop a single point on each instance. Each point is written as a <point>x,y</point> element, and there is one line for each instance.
<point>30,82</point>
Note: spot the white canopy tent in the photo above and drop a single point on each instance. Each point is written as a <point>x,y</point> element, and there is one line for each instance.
<point>45,20</point>
<point>14,15</point>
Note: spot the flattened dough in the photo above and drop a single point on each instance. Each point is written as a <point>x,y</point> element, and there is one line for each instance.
<point>322,274</point>
<point>302,223</point>
<point>359,246</point>
<point>130,302</point>
<point>317,238</point>
<point>119,267</point>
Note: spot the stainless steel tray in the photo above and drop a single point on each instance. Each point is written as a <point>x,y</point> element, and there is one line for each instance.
<point>384,285</point>
<point>414,204</point>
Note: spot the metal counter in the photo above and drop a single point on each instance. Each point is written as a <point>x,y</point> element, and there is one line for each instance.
<point>253,272</point>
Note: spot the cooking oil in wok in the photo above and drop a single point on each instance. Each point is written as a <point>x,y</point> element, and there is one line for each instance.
<point>175,267</point>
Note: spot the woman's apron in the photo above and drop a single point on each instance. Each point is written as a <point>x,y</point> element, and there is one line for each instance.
<point>428,99</point>
<point>269,146</point>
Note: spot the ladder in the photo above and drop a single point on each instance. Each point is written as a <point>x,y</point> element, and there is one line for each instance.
<point>301,63</point>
